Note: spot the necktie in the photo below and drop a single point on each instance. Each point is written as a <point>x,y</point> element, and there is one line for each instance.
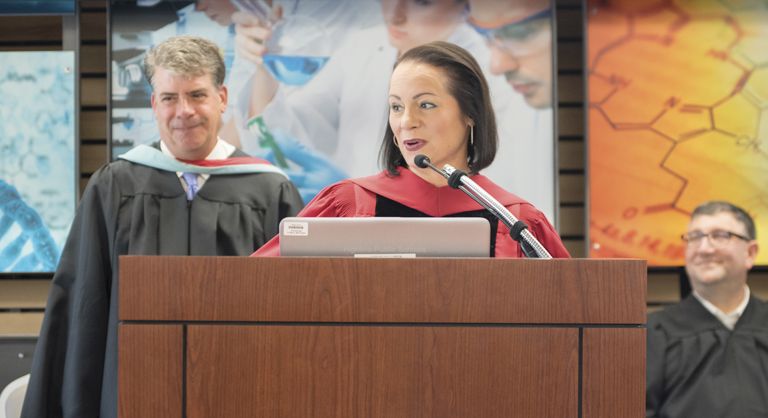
<point>192,187</point>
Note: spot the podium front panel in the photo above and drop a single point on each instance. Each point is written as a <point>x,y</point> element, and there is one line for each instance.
<point>381,371</point>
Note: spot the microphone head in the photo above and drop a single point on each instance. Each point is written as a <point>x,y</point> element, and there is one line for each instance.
<point>421,161</point>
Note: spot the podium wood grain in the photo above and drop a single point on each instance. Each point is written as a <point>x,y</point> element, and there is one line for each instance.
<point>150,370</point>
<point>383,290</point>
<point>393,371</point>
<point>609,379</point>
<point>338,337</point>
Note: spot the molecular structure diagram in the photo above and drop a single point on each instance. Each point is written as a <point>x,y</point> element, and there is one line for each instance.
<point>678,115</point>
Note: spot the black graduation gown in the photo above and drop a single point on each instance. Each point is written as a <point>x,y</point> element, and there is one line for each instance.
<point>697,368</point>
<point>129,208</point>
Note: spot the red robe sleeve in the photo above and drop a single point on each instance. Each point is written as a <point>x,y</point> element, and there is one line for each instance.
<point>538,225</point>
<point>341,200</point>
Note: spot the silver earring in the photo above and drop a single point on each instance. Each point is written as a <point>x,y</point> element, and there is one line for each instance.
<point>394,139</point>
<point>472,136</point>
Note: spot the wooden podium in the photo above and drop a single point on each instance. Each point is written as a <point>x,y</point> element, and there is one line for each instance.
<point>362,338</point>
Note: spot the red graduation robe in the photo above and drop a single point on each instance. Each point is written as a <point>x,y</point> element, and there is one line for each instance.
<point>357,198</point>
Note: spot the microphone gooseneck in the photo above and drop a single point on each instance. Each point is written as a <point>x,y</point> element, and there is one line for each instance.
<point>518,230</point>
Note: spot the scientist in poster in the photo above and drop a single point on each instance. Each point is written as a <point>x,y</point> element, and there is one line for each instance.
<point>309,79</point>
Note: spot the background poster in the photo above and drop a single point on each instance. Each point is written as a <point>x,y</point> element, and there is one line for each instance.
<point>328,116</point>
<point>42,7</point>
<point>678,92</point>
<point>37,147</point>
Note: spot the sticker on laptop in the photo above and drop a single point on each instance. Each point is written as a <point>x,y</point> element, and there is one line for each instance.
<point>295,229</point>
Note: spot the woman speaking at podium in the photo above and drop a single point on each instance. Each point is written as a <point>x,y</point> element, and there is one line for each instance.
<point>440,107</point>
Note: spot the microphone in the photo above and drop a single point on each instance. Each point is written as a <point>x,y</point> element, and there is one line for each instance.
<point>422,161</point>
<point>458,179</point>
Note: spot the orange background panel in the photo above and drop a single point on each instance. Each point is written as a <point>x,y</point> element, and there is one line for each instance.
<point>678,115</point>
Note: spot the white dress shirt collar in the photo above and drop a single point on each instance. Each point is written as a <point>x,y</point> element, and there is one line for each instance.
<point>221,150</point>
<point>728,319</point>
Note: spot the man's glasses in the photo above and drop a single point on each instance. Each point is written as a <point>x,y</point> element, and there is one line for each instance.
<point>519,38</point>
<point>718,238</point>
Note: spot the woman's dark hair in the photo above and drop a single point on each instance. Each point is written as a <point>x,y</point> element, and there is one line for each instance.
<point>468,86</point>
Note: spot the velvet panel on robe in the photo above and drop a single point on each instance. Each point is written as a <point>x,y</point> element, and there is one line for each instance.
<point>133,209</point>
<point>357,198</point>
<point>696,367</point>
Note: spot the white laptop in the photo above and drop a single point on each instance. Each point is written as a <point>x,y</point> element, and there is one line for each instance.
<point>385,237</point>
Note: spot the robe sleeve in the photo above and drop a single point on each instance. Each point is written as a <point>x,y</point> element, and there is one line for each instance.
<point>67,369</point>
<point>547,236</point>
<point>287,203</point>
<point>343,199</point>
<point>538,225</point>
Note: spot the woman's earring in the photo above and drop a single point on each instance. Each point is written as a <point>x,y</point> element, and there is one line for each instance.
<point>472,136</point>
<point>394,139</point>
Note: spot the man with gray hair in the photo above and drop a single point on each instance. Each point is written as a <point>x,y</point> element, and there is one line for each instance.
<point>708,355</point>
<point>190,194</point>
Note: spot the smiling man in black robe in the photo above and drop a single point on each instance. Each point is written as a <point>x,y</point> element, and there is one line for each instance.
<point>194,194</point>
<point>708,355</point>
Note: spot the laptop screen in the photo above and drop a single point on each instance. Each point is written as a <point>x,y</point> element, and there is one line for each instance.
<point>385,237</point>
